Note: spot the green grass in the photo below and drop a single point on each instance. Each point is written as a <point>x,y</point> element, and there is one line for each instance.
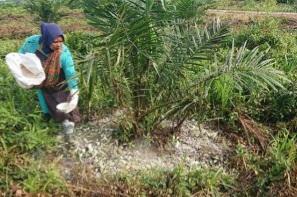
<point>9,45</point>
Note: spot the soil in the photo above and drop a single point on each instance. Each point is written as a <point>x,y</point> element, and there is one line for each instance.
<point>97,149</point>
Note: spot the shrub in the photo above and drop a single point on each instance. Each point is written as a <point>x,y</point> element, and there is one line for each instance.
<point>82,43</point>
<point>45,10</point>
<point>277,105</point>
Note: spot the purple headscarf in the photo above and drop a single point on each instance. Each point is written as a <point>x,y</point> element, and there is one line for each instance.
<point>49,32</point>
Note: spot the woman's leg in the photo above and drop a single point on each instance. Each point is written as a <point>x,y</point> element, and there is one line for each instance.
<point>68,127</point>
<point>67,120</point>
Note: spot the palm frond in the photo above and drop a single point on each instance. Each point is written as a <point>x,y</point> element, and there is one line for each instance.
<point>248,68</point>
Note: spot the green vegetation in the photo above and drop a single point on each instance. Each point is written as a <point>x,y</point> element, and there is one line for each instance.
<point>47,11</point>
<point>280,105</point>
<point>154,82</point>
<point>275,166</point>
<point>178,182</point>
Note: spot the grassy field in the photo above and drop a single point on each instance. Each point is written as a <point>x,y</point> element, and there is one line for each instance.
<point>260,120</point>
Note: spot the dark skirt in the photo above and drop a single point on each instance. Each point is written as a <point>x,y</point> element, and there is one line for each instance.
<point>53,98</point>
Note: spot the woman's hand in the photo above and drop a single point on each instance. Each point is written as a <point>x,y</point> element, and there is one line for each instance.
<point>68,107</point>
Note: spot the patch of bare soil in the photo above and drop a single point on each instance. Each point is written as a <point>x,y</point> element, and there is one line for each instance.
<point>16,26</point>
<point>243,14</point>
<point>236,17</point>
<point>97,150</point>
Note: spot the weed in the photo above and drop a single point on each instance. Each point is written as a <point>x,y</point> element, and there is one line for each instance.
<point>177,182</point>
<point>273,167</point>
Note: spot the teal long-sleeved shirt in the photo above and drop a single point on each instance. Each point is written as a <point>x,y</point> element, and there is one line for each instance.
<point>30,45</point>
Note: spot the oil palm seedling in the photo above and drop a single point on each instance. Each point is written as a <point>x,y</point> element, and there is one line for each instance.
<point>158,62</point>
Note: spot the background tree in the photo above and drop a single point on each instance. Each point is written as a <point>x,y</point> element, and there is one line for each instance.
<point>45,10</point>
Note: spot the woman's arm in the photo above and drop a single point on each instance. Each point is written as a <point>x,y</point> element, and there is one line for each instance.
<point>70,77</point>
<point>69,70</point>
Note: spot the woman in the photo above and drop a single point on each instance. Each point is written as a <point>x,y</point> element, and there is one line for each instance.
<point>60,85</point>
